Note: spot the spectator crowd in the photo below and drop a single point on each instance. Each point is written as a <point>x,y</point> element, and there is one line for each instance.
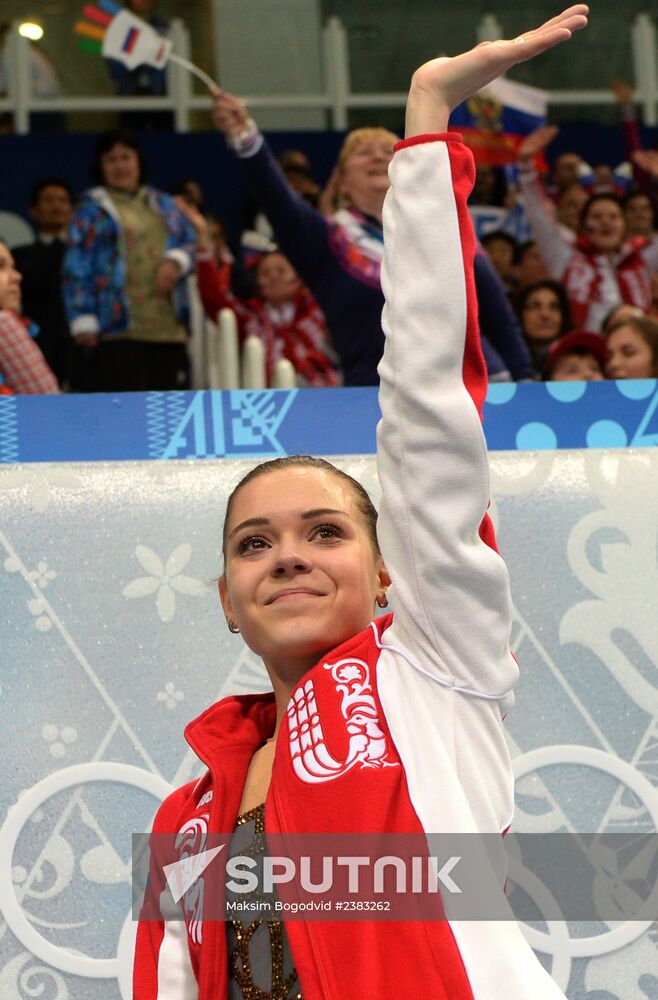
<point>566,267</point>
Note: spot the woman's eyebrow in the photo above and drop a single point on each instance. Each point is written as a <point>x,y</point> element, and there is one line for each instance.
<point>321,512</point>
<point>251,522</point>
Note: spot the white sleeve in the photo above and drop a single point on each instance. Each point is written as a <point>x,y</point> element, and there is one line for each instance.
<point>450,587</point>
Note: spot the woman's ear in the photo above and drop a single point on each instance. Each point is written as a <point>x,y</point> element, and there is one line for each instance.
<point>225,600</point>
<point>383,583</point>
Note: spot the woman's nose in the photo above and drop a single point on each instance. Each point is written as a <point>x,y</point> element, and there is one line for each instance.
<point>289,562</point>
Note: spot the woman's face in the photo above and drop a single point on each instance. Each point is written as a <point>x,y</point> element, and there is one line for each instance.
<point>605,226</point>
<point>10,281</point>
<point>277,280</point>
<point>629,355</point>
<point>120,168</point>
<point>542,315</point>
<point>639,215</point>
<point>365,173</point>
<point>301,573</point>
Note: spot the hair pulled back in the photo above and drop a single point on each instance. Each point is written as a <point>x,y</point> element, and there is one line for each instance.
<point>364,504</point>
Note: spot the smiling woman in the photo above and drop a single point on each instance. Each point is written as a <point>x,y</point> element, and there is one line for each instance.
<point>392,725</point>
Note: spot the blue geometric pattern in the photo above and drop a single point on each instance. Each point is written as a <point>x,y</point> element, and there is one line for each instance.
<point>267,423</point>
<point>9,450</point>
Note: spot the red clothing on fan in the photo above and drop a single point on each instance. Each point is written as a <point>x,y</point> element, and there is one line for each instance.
<point>595,282</point>
<point>296,331</point>
<point>22,365</point>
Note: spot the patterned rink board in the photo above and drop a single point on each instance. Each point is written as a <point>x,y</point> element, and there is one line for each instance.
<point>265,423</point>
<point>112,640</point>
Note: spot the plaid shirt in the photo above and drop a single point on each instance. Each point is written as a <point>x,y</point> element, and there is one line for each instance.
<point>22,365</point>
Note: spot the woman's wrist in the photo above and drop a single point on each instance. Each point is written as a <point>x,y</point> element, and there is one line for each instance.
<point>426,112</point>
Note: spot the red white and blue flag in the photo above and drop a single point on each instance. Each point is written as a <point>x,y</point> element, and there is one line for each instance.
<point>495,121</point>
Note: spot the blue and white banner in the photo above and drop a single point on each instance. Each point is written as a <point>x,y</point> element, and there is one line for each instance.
<point>269,423</point>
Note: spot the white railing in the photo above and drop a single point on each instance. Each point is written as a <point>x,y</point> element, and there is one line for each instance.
<point>338,98</point>
<point>228,367</point>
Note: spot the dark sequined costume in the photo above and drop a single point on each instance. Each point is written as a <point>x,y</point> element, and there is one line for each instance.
<point>260,965</point>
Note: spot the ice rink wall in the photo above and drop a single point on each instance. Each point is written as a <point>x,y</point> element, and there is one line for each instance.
<point>110,516</point>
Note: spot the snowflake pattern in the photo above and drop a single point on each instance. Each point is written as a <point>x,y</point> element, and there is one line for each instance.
<point>170,696</point>
<point>58,739</point>
<point>164,580</point>
<point>42,575</point>
<point>39,611</point>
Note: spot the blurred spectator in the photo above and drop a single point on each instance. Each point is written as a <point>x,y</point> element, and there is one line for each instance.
<point>544,313</point>
<point>633,348</point>
<point>339,258</point>
<point>296,167</point>
<point>653,308</point>
<point>230,275</point>
<point>143,81</point>
<point>603,268</point>
<point>570,209</point>
<point>579,356</point>
<point>40,264</point>
<point>640,214</point>
<point>494,207</point>
<point>43,75</point>
<point>501,248</point>
<point>623,91</point>
<point>529,265</point>
<point>129,247</point>
<point>568,169</point>
<point>23,368</point>
<point>190,191</point>
<point>283,314</point>
<point>44,83</point>
<point>258,236</point>
<point>624,311</point>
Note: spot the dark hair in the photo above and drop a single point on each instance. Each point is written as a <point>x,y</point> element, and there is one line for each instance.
<point>498,234</point>
<point>594,198</point>
<point>106,142</point>
<point>554,286</point>
<point>642,194</point>
<point>363,502</point>
<point>49,182</point>
<point>521,250</point>
<point>646,328</point>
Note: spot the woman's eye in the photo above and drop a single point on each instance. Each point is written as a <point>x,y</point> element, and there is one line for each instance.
<point>327,531</point>
<point>253,543</point>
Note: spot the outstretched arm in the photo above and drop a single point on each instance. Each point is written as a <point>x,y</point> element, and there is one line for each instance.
<point>554,249</point>
<point>452,592</point>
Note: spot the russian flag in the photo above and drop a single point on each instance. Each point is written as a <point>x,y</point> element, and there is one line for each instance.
<point>496,119</point>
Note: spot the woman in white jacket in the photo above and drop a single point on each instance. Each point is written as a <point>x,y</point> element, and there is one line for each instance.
<point>392,725</point>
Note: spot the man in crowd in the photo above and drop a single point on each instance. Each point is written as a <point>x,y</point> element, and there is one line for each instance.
<point>40,264</point>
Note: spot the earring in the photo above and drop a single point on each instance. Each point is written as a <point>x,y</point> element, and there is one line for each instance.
<point>382,602</point>
<point>232,627</point>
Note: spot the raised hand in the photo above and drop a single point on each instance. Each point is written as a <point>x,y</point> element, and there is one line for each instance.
<point>229,114</point>
<point>646,159</point>
<point>441,84</point>
<point>537,141</point>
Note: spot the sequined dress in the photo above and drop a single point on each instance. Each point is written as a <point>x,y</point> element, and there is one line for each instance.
<point>260,965</point>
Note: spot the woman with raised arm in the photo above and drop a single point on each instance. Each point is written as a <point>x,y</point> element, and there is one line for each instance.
<point>604,267</point>
<point>386,726</point>
<point>339,256</point>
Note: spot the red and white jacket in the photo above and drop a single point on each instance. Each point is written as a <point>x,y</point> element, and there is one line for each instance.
<point>595,283</point>
<point>432,680</point>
